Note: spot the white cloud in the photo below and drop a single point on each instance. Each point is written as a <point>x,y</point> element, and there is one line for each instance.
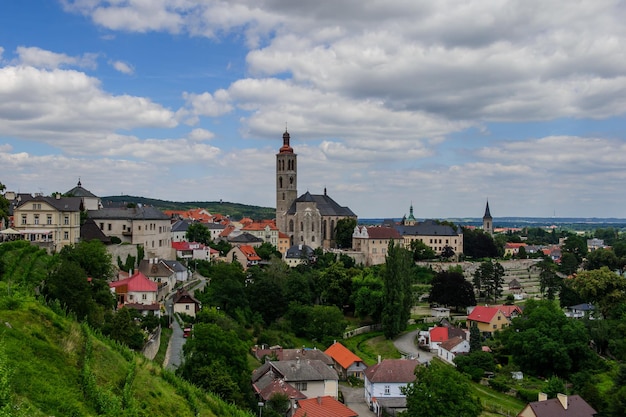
<point>123,67</point>
<point>41,58</point>
<point>200,135</point>
<point>206,104</point>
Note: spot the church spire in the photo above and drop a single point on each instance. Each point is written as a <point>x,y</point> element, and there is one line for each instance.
<point>488,220</point>
<point>286,148</point>
<point>487,213</point>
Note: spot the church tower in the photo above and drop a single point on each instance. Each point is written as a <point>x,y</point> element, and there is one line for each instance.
<point>286,181</point>
<point>488,221</point>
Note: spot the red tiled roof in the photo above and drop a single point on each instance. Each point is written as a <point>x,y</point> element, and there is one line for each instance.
<point>483,314</point>
<point>323,407</point>
<point>227,230</point>
<point>257,226</point>
<point>507,310</point>
<point>392,370</point>
<point>438,334</point>
<point>249,253</point>
<point>381,232</point>
<point>342,355</point>
<point>511,245</point>
<point>136,283</point>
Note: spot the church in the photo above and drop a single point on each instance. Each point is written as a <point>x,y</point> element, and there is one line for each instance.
<point>311,218</point>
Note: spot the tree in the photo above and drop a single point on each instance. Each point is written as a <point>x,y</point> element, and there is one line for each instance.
<point>488,279</point>
<point>227,288</point>
<point>577,246</point>
<point>553,386</point>
<point>421,251</point>
<point>475,342</point>
<point>477,244</point>
<point>343,232</point>
<point>550,282</point>
<point>124,329</point>
<point>367,295</point>
<point>447,252</point>
<point>92,257</point>
<point>266,292</point>
<point>198,232</point>
<point>540,350</point>
<point>398,297</point>
<point>440,391</point>
<point>602,257</point>
<point>4,205</point>
<point>602,287</point>
<point>266,250</point>
<point>450,288</point>
<point>336,284</point>
<point>569,264</point>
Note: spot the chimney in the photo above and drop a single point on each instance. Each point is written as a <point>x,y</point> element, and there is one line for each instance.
<point>58,196</point>
<point>378,358</point>
<point>319,400</point>
<point>543,396</point>
<point>563,400</point>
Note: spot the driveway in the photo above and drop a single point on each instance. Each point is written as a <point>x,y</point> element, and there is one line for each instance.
<point>406,345</point>
<point>354,399</point>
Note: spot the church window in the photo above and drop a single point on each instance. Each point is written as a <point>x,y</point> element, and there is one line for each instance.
<point>324,229</point>
<point>291,225</point>
<point>332,229</point>
<point>290,180</point>
<point>283,196</point>
<point>313,238</point>
<point>312,227</point>
<point>301,227</point>
<point>301,238</point>
<point>280,182</point>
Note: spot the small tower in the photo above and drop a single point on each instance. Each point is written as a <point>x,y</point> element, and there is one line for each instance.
<point>286,181</point>
<point>410,221</point>
<point>488,221</point>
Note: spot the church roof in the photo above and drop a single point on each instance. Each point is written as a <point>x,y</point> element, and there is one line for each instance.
<point>427,228</point>
<point>326,205</point>
<point>487,213</point>
<point>79,191</point>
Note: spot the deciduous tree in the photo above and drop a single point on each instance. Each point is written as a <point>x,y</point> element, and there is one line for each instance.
<point>602,287</point>
<point>398,297</point>
<point>343,232</point>
<point>450,288</point>
<point>198,232</point>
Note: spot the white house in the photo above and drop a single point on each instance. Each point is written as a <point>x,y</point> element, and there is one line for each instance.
<point>383,383</point>
<point>137,292</point>
<point>450,348</point>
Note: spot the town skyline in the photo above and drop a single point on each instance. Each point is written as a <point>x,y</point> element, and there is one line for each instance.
<point>443,106</point>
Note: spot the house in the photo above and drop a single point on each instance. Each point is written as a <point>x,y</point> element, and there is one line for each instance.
<point>487,319</point>
<point>90,231</point>
<point>562,406</point>
<point>512,249</point>
<point>322,407</point>
<point>373,242</point>
<point>299,254</point>
<point>159,272</point>
<point>346,363</point>
<point>238,238</point>
<point>244,254</point>
<point>283,243</point>
<point>265,230</point>
<point>384,382</point>
<point>50,222</point>
<point>279,354</point>
<point>510,311</point>
<point>194,251</point>
<point>441,333</point>
<point>186,303</point>
<point>140,225</point>
<point>433,234</point>
<point>179,230</point>
<point>515,287</point>
<point>449,349</point>
<point>137,292</point>
<point>580,311</point>
<point>310,377</point>
<point>181,273</point>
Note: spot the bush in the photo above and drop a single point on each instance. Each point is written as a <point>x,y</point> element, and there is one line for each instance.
<point>499,385</point>
<point>528,395</point>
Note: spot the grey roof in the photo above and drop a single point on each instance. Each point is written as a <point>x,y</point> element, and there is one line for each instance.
<point>326,205</point>
<point>298,251</point>
<point>427,228</point>
<point>175,265</point>
<point>487,213</point>
<point>90,231</point>
<point>304,370</point>
<point>180,226</point>
<point>582,307</point>
<point>215,226</point>
<point>245,238</point>
<point>79,191</point>
<point>126,213</point>
<point>576,407</point>
<point>61,204</point>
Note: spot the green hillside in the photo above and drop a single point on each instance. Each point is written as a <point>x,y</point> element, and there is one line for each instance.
<point>50,365</point>
<point>234,210</point>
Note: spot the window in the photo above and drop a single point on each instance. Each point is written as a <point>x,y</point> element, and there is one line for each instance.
<point>186,306</point>
<point>66,235</point>
<point>144,296</point>
<point>23,219</point>
<point>49,219</point>
<point>101,226</point>
<point>387,390</point>
<point>301,386</point>
<point>130,297</point>
<point>495,326</point>
<point>301,227</point>
<point>66,220</point>
<point>109,226</point>
<point>373,250</point>
<point>36,218</point>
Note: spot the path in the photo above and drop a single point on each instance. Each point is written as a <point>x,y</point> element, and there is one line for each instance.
<point>405,343</point>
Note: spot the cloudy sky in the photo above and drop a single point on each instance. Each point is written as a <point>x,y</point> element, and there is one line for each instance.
<point>443,104</point>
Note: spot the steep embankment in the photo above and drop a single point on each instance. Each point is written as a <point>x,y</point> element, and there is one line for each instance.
<point>57,367</point>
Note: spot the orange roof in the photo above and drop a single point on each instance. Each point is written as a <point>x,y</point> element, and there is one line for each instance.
<point>511,245</point>
<point>249,252</point>
<point>342,355</point>
<point>323,407</point>
<point>439,334</point>
<point>136,283</point>
<point>507,310</point>
<point>483,314</point>
<point>282,235</point>
<point>259,226</point>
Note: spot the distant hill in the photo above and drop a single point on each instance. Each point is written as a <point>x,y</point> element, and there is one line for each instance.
<point>234,210</point>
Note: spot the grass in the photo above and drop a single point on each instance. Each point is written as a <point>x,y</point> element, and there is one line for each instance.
<point>166,335</point>
<point>369,345</point>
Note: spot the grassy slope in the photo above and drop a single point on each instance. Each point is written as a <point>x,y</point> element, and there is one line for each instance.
<point>46,352</point>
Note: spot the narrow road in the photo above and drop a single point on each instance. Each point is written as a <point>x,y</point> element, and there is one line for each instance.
<point>174,353</point>
<point>406,345</point>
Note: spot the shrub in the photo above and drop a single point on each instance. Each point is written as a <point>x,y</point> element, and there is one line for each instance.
<point>498,385</point>
<point>528,395</point>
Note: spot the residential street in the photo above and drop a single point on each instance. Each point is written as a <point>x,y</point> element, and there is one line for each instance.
<point>406,345</point>
<point>174,353</point>
<point>354,398</point>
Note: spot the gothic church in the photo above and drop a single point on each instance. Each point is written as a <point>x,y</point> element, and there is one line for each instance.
<point>311,218</point>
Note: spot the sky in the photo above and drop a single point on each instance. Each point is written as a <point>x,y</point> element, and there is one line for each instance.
<point>442,105</point>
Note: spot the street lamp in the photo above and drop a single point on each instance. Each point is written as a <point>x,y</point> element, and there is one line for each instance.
<point>260,404</point>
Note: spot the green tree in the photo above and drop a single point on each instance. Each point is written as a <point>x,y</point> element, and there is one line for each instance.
<point>450,288</point>
<point>266,291</point>
<point>125,330</point>
<point>227,288</point>
<point>550,282</point>
<point>266,250</point>
<point>336,284</point>
<point>477,244</point>
<point>198,232</point>
<point>398,297</point>
<point>601,257</point>
<point>319,323</point>
<point>488,280</point>
<point>475,340</point>
<point>577,246</point>
<point>475,364</point>
<point>553,386</point>
<point>421,251</point>
<point>440,391</point>
<point>569,264</point>
<point>343,232</point>
<point>602,287</point>
<point>92,257</point>
<point>367,295</point>
<point>4,205</point>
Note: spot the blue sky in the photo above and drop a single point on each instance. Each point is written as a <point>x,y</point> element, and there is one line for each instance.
<point>441,104</point>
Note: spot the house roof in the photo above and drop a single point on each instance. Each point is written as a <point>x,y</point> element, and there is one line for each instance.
<point>438,334</point>
<point>90,231</point>
<point>79,191</point>
<point>451,343</point>
<point>381,232</point>
<point>427,228</point>
<point>273,386</point>
<point>137,282</point>
<point>582,307</point>
<point>60,204</point>
<point>155,268</point>
<point>180,226</point>
<point>483,314</point>
<point>342,355</point>
<point>326,205</point>
<point>292,354</point>
<point>245,237</point>
<point>249,252</point>
<point>323,407</point>
<point>508,310</point>
<point>514,284</point>
<point>175,266</point>
<point>140,212</point>
<point>576,407</point>
<point>183,297</point>
<point>392,370</point>
<point>302,370</point>
<point>298,251</point>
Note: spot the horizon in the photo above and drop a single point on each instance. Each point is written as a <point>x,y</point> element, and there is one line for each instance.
<point>388,105</point>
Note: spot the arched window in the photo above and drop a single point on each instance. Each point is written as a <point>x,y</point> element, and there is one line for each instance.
<point>312,238</point>
<point>301,226</point>
<point>291,225</point>
<point>312,226</point>
<point>324,229</point>
<point>280,182</point>
<point>332,229</point>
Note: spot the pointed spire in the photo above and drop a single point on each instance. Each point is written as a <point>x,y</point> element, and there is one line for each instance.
<point>487,213</point>
<point>79,184</point>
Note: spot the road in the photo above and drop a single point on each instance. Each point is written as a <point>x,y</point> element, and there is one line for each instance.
<point>406,345</point>
<point>354,399</point>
